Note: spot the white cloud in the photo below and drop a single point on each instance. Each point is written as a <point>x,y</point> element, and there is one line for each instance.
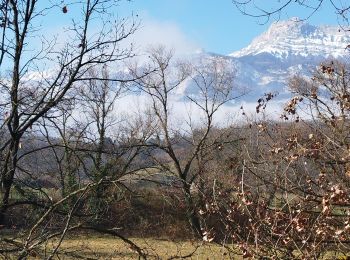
<point>169,34</point>
<point>183,111</point>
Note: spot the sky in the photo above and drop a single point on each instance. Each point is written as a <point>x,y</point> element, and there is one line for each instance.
<point>211,25</point>
<point>193,25</point>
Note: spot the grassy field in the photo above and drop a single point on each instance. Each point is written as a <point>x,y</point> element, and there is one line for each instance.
<point>94,246</point>
<point>111,248</point>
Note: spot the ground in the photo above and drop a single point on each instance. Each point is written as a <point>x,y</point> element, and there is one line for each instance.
<point>111,248</point>
<point>93,246</point>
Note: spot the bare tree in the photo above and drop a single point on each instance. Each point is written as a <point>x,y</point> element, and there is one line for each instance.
<point>25,98</point>
<point>291,198</point>
<point>37,86</point>
<point>213,81</point>
<point>98,100</point>
<point>110,155</point>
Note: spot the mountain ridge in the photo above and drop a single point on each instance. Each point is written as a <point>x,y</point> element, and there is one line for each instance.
<point>287,48</point>
<point>298,38</point>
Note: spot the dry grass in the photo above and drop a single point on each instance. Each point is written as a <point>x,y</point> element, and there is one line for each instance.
<point>105,247</point>
<point>92,246</point>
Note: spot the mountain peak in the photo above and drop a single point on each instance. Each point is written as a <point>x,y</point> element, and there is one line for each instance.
<point>292,26</point>
<point>296,37</point>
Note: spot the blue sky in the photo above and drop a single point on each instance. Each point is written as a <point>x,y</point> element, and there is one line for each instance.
<point>213,25</point>
<point>191,25</point>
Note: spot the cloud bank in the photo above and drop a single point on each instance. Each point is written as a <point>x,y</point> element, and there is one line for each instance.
<point>169,34</point>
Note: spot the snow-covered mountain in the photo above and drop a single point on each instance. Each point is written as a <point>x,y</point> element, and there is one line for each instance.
<point>285,39</point>
<point>287,48</point>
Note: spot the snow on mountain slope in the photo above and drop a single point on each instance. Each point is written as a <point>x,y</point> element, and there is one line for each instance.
<point>298,38</point>
<point>287,48</point>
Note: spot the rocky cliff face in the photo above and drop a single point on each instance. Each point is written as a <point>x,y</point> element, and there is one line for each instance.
<point>285,49</point>
<point>286,39</point>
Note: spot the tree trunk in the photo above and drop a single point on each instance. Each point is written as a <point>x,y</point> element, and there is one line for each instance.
<point>192,214</point>
<point>7,179</point>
